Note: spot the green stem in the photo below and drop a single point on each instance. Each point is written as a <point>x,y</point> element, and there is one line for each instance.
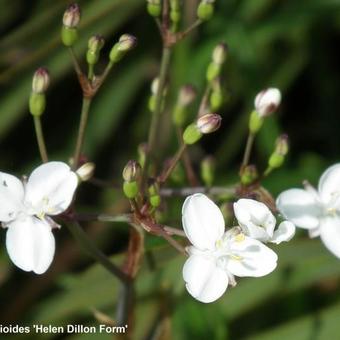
<point>204,101</point>
<point>91,72</point>
<point>173,164</point>
<point>81,132</point>
<point>88,246</point>
<point>156,115</point>
<point>247,152</point>
<point>40,138</point>
<point>75,61</point>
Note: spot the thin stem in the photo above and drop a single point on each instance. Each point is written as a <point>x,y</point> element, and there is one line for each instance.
<point>89,247</point>
<point>267,172</point>
<point>183,34</point>
<point>101,217</point>
<point>81,132</point>
<point>174,243</point>
<point>156,115</point>
<point>204,101</point>
<point>40,138</point>
<point>174,231</point>
<point>173,164</point>
<point>75,61</point>
<point>215,191</point>
<point>91,72</point>
<point>106,72</point>
<point>247,152</point>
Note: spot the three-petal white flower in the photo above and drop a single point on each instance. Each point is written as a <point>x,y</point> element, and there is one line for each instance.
<point>316,210</point>
<point>257,221</point>
<point>215,255</point>
<point>25,209</point>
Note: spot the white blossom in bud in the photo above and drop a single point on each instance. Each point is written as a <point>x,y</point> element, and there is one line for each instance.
<point>41,80</point>
<point>216,255</point>
<point>267,101</point>
<point>86,171</point>
<point>318,211</point>
<point>209,123</point>
<point>71,16</point>
<point>25,210</point>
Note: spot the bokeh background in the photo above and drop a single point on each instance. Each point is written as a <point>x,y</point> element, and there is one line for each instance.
<point>289,44</point>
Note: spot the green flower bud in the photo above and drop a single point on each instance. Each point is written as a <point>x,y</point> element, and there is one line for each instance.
<point>152,103</point>
<point>175,5</point>
<point>249,175</point>
<point>130,189</point>
<point>255,122</point>
<point>132,171</point>
<point>142,151</point>
<point>71,16</point>
<point>155,201</point>
<point>208,166</point>
<point>220,53</point>
<point>209,123</point>
<point>154,8</point>
<point>216,100</point>
<point>191,134</point>
<point>126,43</point>
<point>37,104</point>
<point>175,16</point>
<point>95,44</point>
<point>41,80</point>
<point>275,161</point>
<point>213,71</point>
<point>205,10</point>
<point>69,36</point>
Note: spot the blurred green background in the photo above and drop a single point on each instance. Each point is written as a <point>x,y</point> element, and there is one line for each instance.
<point>288,44</point>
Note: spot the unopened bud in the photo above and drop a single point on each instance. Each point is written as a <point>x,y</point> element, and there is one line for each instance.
<point>220,53</point>
<point>142,151</point>
<point>267,101</point>
<point>208,166</point>
<point>249,174</point>
<point>209,123</point>
<point>132,171</point>
<point>187,95</point>
<point>130,189</point>
<point>86,171</point>
<point>205,9</point>
<point>71,16</point>
<point>255,122</point>
<point>154,197</point>
<point>37,103</point>
<point>213,71</point>
<point>95,44</point>
<point>282,145</point>
<point>154,8</point>
<point>191,134</point>
<point>41,80</point>
<point>126,43</point>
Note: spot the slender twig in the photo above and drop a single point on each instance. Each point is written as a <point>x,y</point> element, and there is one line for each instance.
<point>76,65</point>
<point>204,102</point>
<point>106,72</point>
<point>247,152</point>
<point>173,164</point>
<point>81,132</point>
<point>88,246</point>
<point>182,192</point>
<point>182,35</point>
<point>80,217</point>
<point>174,231</point>
<point>40,138</point>
<point>90,75</point>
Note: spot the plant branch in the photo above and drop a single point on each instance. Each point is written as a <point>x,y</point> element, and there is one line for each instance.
<point>247,152</point>
<point>165,175</point>
<point>75,62</point>
<point>40,138</point>
<point>182,192</point>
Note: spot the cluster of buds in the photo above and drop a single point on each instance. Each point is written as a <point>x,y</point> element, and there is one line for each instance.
<point>266,102</point>
<point>125,44</point>
<point>154,8</point>
<point>205,9</point>
<point>154,95</point>
<point>131,175</point>
<point>208,167</point>
<point>186,96</point>
<point>278,156</point>
<point>219,57</point>
<point>175,13</point>
<point>71,19</point>
<point>95,44</point>
<point>40,83</point>
<point>205,124</point>
<point>154,196</point>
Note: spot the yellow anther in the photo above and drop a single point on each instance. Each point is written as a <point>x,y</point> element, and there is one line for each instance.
<point>236,257</point>
<point>240,237</point>
<point>219,244</point>
<point>41,215</point>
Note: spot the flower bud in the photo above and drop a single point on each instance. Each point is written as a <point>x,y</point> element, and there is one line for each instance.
<point>86,171</point>
<point>209,123</point>
<point>132,171</point>
<point>255,122</point>
<point>154,8</point>
<point>95,44</point>
<point>126,43</point>
<point>249,174</point>
<point>37,104</point>
<point>205,9</point>
<point>130,189</point>
<point>41,80</point>
<point>267,101</point>
<point>154,197</point>
<point>208,167</point>
<point>282,145</point>
<point>187,95</point>
<point>142,151</point>
<point>220,53</point>
<point>71,16</point>
<point>213,71</point>
<point>191,134</point>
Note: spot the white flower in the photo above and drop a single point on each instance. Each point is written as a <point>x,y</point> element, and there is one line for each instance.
<point>316,210</point>
<point>25,209</point>
<point>267,101</point>
<point>216,256</point>
<point>257,221</point>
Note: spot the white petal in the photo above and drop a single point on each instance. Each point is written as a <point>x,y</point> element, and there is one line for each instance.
<point>50,188</point>
<point>203,221</point>
<point>204,280</point>
<point>285,232</point>
<point>300,207</point>
<point>330,234</point>
<point>329,185</point>
<point>251,258</point>
<point>255,218</point>
<point>11,197</point>
<point>30,244</point>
